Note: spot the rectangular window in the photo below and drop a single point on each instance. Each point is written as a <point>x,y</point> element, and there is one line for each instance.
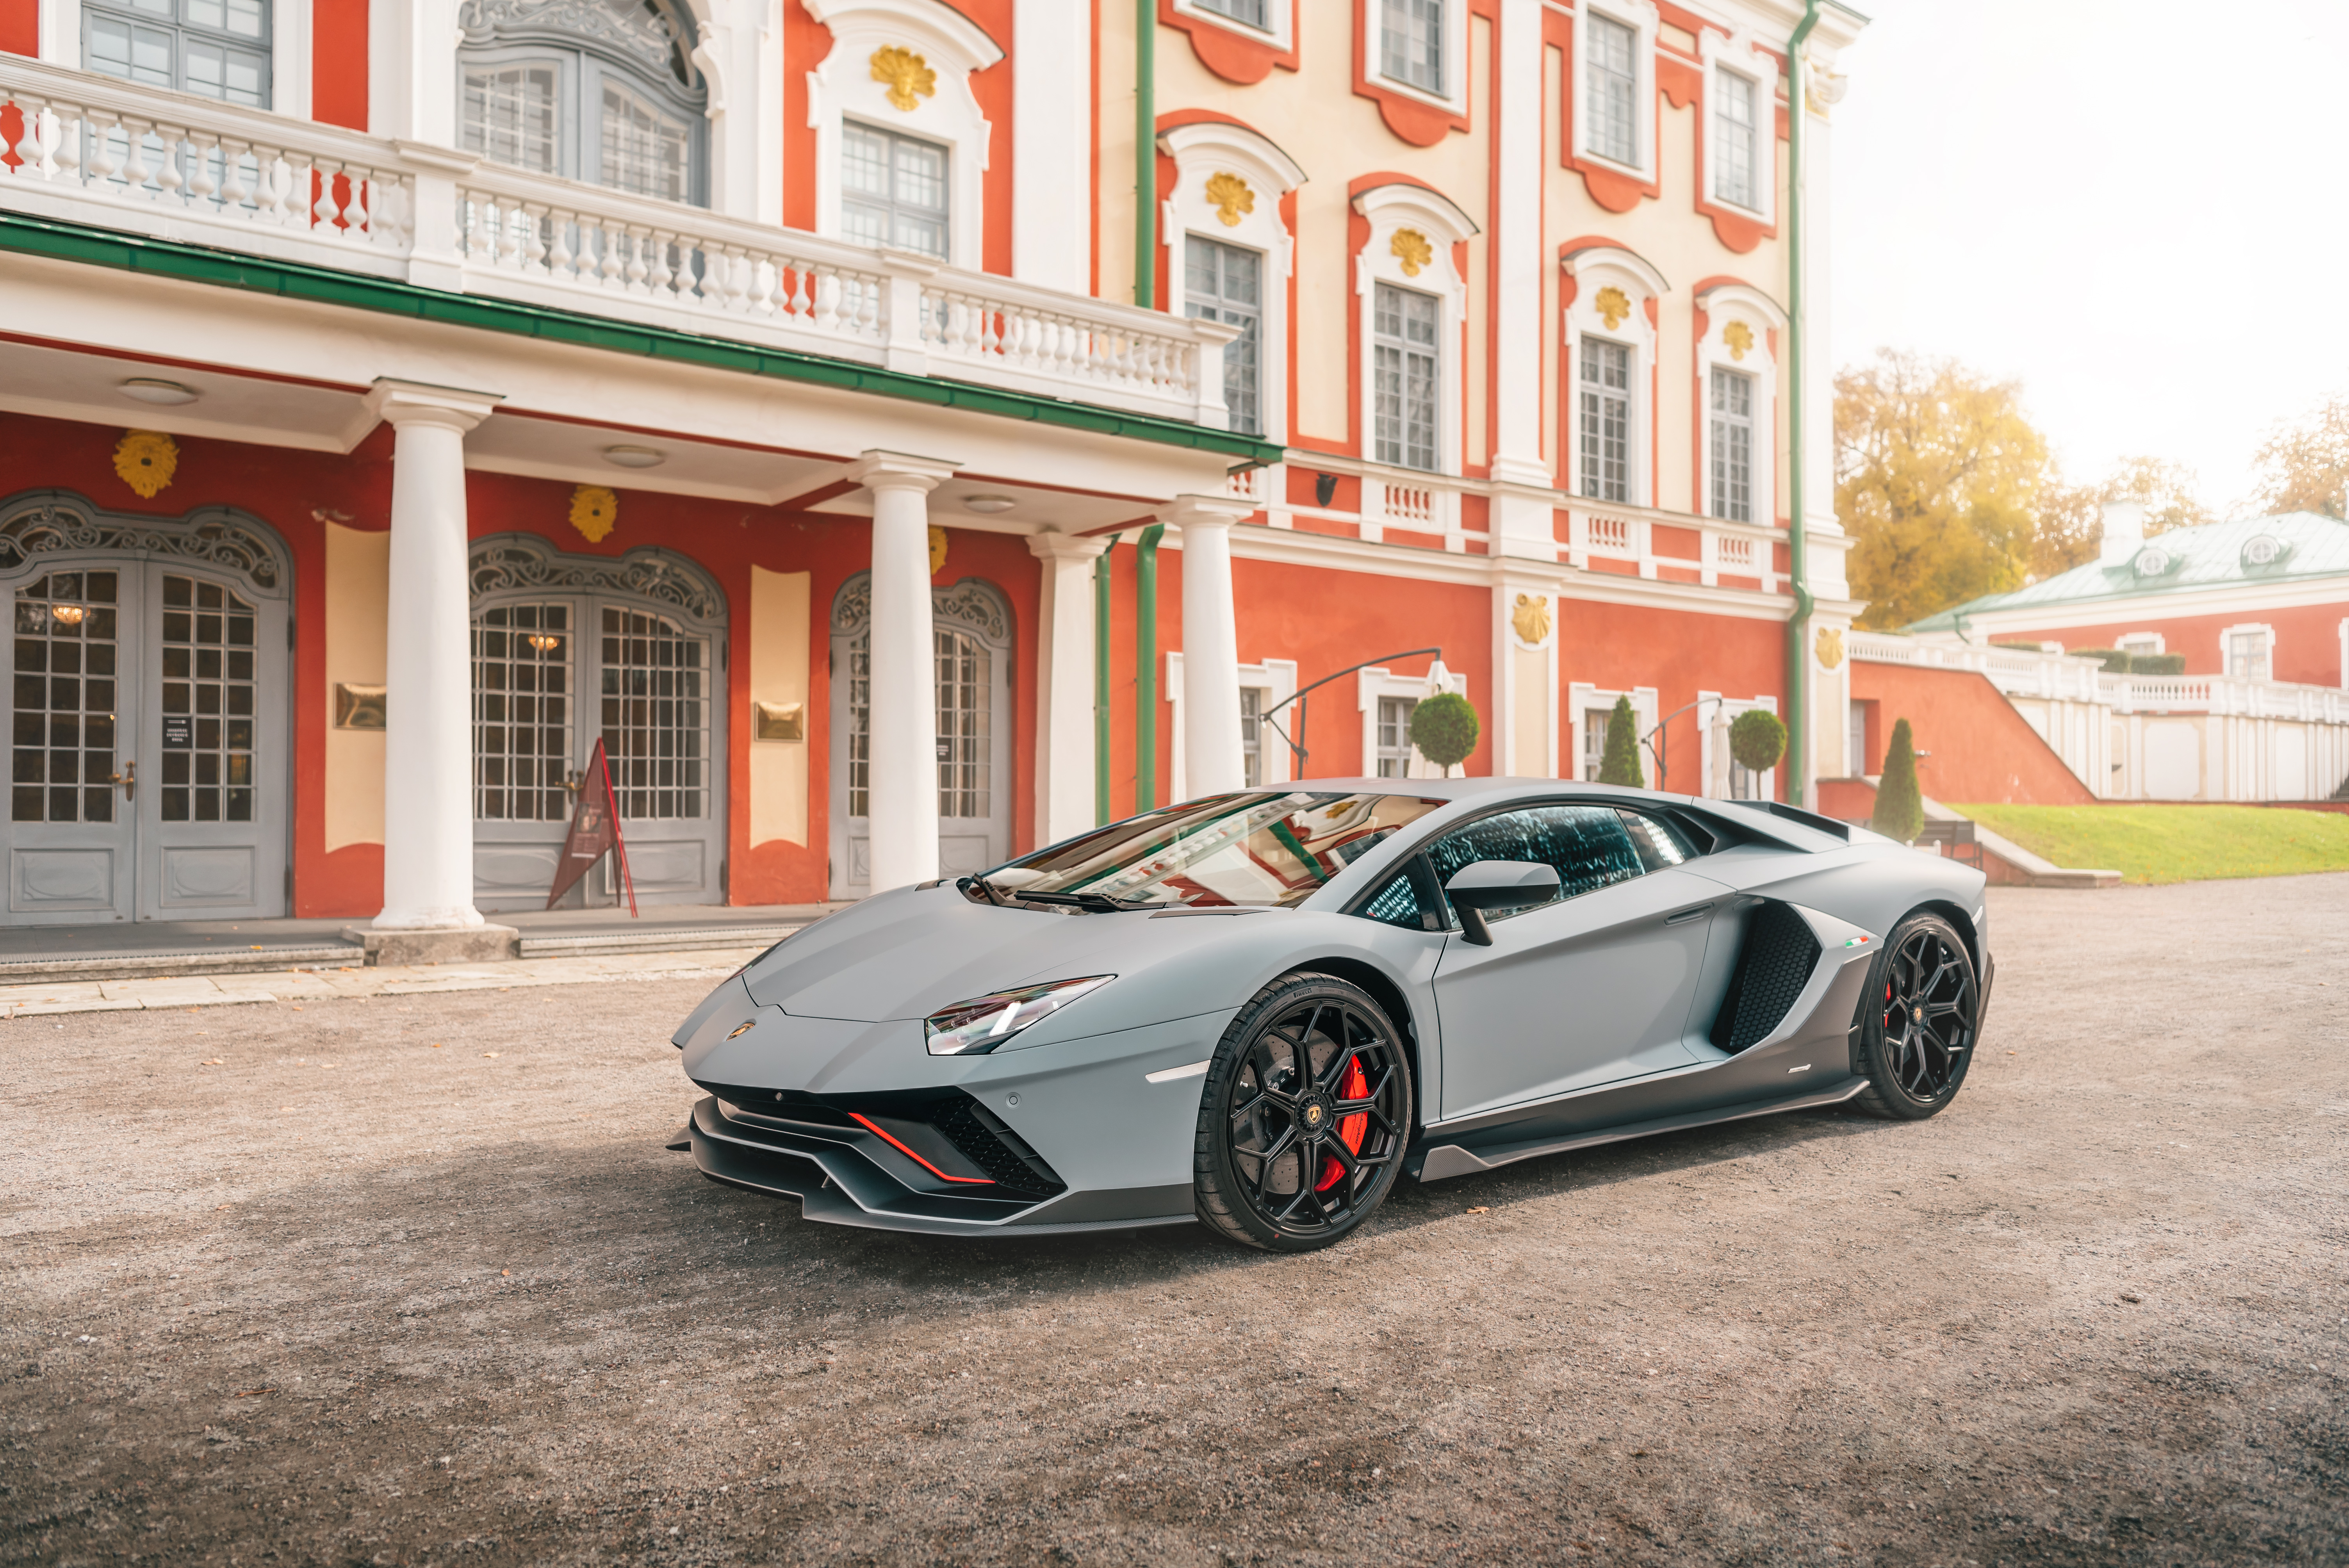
<point>1251,736</point>
<point>1593,742</point>
<point>893,189</point>
<point>1251,11</point>
<point>1394,736</point>
<point>510,115</point>
<point>1606,420</point>
<point>1403,376</point>
<point>1612,79</point>
<point>1733,445</point>
<point>1224,283</point>
<point>212,48</point>
<point>2247,655</point>
<point>1735,174</point>
<point>1855,737</point>
<point>1411,42</point>
<point>644,150</point>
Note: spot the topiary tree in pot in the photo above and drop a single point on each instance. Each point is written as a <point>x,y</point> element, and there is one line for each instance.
<point>1620,763</point>
<point>1900,806</point>
<point>1756,740</point>
<point>1444,730</point>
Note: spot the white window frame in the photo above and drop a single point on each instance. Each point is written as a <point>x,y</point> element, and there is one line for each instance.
<point>1276,679</point>
<point>1388,209</point>
<point>1723,303</point>
<point>1641,17</point>
<point>1594,270</point>
<point>2145,643</point>
<point>1279,31</point>
<point>59,23</point>
<point>1454,96</point>
<point>2227,648</point>
<point>1581,697</point>
<point>1200,153</point>
<point>1718,714</point>
<point>1371,684</point>
<point>842,87</point>
<point>2343,630</point>
<point>1740,54</point>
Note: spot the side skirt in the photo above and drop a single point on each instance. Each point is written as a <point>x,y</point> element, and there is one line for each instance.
<point>1450,1159</point>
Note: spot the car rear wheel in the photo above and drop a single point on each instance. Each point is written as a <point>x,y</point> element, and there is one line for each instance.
<point>1919,1021</point>
<point>1303,1118</point>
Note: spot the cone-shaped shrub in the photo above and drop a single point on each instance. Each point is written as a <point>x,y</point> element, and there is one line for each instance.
<point>1900,810</point>
<point>1444,730</point>
<point>1621,765</point>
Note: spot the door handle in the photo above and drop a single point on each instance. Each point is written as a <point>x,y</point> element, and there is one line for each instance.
<point>1688,914</point>
<point>129,780</point>
<point>573,781</point>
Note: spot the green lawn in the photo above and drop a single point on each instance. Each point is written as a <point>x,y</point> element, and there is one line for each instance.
<point>2176,843</point>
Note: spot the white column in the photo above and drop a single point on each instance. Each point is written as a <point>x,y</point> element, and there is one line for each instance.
<point>1051,125</point>
<point>1212,762</point>
<point>902,744</point>
<point>428,771</point>
<point>1064,708</point>
<point>1521,505</point>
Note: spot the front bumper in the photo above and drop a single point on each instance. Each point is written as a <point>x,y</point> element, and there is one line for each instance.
<point>855,1174</point>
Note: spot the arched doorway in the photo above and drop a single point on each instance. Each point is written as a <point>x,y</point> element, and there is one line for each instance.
<point>146,713</point>
<point>972,633</point>
<point>572,649</point>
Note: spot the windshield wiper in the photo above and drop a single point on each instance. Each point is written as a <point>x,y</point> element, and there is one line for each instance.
<point>993,894</point>
<point>1100,902</point>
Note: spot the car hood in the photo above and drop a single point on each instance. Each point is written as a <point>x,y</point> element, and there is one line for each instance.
<point>908,954</point>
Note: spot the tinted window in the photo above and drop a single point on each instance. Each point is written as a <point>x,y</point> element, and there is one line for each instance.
<point>1397,904</point>
<point>1590,846</point>
<point>1659,843</point>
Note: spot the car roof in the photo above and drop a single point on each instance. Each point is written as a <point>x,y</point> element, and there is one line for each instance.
<point>1455,789</point>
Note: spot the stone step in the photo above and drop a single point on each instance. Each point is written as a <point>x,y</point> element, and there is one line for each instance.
<point>163,965</point>
<point>655,941</point>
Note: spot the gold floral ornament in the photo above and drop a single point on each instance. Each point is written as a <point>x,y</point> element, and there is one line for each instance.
<point>1531,618</point>
<point>1740,338</point>
<point>1613,305</point>
<point>146,460</point>
<point>1230,196</point>
<point>938,549</point>
<point>594,511</point>
<point>1412,249</point>
<point>906,74</point>
<point>1830,648</point>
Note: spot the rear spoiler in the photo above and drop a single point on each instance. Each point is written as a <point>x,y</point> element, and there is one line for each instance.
<point>1779,824</point>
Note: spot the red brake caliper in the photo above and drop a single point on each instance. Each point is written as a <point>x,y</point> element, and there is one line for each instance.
<point>1352,1130</point>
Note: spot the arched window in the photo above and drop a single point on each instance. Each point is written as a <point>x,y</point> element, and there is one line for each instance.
<point>603,91</point>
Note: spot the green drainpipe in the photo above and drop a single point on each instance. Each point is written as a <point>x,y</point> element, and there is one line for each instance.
<point>1146,668</point>
<point>1798,628</point>
<point>1100,682</point>
<point>1145,153</point>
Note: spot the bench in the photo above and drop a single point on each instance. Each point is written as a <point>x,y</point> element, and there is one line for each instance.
<point>1955,839</point>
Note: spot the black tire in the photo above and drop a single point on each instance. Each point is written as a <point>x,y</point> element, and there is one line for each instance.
<point>1919,1021</point>
<point>1261,1131</point>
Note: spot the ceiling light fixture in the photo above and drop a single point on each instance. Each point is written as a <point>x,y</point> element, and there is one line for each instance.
<point>545,642</point>
<point>988,503</point>
<point>148,389</point>
<point>635,456</point>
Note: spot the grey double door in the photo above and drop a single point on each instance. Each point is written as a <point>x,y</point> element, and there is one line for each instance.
<point>147,706</point>
<point>553,674</point>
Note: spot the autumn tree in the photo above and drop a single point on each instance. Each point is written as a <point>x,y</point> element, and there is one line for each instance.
<point>2071,524</point>
<point>2306,467</point>
<point>1939,479</point>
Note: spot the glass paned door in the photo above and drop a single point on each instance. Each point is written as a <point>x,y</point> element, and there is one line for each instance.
<point>148,758</point>
<point>551,677</point>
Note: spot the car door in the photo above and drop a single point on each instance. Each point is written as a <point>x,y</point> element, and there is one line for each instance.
<point>1591,988</point>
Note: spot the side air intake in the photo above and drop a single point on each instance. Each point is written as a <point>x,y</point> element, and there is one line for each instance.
<point>1777,959</point>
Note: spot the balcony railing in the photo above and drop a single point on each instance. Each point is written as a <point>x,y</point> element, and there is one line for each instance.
<point>93,150</point>
<point>1670,546</point>
<point>2018,673</point>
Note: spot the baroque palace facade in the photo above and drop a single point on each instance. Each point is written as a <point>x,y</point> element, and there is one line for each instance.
<point>398,397</point>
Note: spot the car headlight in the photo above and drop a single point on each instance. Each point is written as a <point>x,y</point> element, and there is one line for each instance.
<point>979,1026</point>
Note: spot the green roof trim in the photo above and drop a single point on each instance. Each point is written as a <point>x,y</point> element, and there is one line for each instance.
<point>323,285</point>
<point>2199,559</point>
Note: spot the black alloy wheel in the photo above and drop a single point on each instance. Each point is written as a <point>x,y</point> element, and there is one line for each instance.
<point>1917,1020</point>
<point>1304,1116</point>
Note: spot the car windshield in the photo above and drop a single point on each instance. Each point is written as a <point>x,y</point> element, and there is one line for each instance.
<point>1224,850</point>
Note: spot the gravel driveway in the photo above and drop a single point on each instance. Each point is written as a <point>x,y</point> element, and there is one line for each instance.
<point>410,1279</point>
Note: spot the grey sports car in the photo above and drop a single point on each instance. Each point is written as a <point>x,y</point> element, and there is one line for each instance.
<point>1261,1010</point>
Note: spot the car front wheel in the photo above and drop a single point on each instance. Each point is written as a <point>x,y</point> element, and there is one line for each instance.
<point>1304,1116</point>
<point>1919,1021</point>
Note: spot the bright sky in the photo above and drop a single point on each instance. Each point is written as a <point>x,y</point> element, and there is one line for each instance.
<point>2136,208</point>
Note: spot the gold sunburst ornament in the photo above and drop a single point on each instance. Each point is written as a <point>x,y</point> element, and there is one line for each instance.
<point>938,549</point>
<point>1531,618</point>
<point>1740,338</point>
<point>594,511</point>
<point>1613,305</point>
<point>1412,249</point>
<point>1830,648</point>
<point>146,461</point>
<point>1230,196</point>
<point>906,74</point>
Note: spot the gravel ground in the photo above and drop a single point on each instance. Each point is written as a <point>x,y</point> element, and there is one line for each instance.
<point>410,1280</point>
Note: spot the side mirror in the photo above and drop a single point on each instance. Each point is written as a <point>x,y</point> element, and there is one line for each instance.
<point>1497,884</point>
